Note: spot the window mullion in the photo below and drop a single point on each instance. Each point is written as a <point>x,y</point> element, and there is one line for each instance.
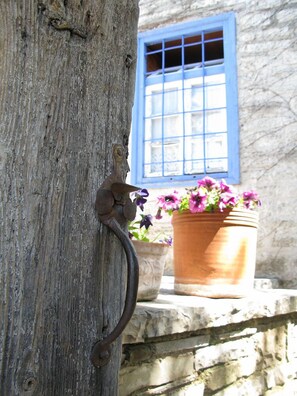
<point>163,107</point>
<point>204,101</point>
<point>183,103</point>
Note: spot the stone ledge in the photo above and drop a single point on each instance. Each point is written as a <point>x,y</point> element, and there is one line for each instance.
<point>171,314</point>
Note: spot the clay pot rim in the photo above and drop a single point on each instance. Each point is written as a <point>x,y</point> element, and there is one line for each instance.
<point>137,242</point>
<point>230,216</point>
<point>226,210</point>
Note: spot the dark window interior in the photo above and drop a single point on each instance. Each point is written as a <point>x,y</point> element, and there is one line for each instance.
<point>192,49</point>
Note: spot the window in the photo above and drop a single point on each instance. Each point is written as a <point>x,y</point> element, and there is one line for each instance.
<point>185,122</point>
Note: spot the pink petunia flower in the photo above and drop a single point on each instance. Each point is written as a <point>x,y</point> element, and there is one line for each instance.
<point>197,201</point>
<point>251,199</point>
<point>208,182</point>
<point>169,202</point>
<point>227,199</point>
<point>225,188</point>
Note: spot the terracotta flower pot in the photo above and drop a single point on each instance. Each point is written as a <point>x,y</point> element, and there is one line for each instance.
<point>215,253</point>
<point>151,259</point>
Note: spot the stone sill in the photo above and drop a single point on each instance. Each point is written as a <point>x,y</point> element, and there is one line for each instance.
<point>172,315</point>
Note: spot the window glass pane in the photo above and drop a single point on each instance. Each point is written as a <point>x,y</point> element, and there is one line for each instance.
<point>193,94</point>
<point>213,47</point>
<point>215,121</point>
<point>156,131</point>
<point>194,155</point>
<point>148,129</point>
<point>156,99</point>
<point>213,166</point>
<point>148,105</point>
<point>215,96</point>
<point>154,62</point>
<point>192,50</point>
<point>213,35</point>
<point>173,58</point>
<point>173,43</point>
<point>153,47</point>
<point>193,167</point>
<point>171,101</point>
<point>173,158</point>
<point>197,122</point>
<point>194,148</point>
<point>173,153</point>
<point>197,97</point>
<point>188,40</point>
<point>171,126</point>
<point>147,152</point>
<point>193,55</point>
<point>216,145</point>
<point>153,159</point>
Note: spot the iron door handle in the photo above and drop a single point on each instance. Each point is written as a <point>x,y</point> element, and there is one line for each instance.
<point>114,208</point>
<point>101,351</point>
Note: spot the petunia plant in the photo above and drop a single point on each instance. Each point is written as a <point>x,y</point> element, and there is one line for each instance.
<point>208,196</point>
<point>139,229</point>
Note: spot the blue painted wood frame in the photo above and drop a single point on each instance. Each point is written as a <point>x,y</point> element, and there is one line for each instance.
<point>227,23</point>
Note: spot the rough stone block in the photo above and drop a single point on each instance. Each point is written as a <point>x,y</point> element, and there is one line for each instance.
<point>279,375</point>
<point>289,389</point>
<point>219,376</point>
<point>271,344</point>
<point>251,386</point>
<point>155,373</point>
<point>191,390</point>
<point>236,334</point>
<point>179,388</point>
<point>225,352</point>
<point>266,283</point>
<point>292,342</point>
<point>142,352</point>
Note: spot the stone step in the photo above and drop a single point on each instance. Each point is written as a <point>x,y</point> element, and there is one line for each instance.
<point>266,283</point>
<point>259,283</point>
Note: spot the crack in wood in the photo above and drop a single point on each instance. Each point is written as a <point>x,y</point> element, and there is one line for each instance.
<point>62,24</point>
<point>56,14</point>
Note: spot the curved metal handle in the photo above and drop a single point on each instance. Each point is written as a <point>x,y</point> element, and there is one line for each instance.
<point>101,351</point>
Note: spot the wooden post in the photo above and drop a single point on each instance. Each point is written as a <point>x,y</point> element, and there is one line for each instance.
<point>67,72</point>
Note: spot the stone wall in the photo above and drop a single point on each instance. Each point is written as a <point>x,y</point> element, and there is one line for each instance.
<point>267,81</point>
<point>180,345</point>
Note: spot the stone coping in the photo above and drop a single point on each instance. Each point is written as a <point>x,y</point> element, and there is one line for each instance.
<point>172,314</point>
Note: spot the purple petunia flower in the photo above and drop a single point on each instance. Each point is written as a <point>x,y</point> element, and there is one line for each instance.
<point>169,202</point>
<point>130,235</point>
<point>197,201</point>
<point>139,198</point>
<point>146,221</point>
<point>168,240</point>
<point>159,215</point>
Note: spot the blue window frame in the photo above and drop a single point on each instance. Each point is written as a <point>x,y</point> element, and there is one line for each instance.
<point>185,117</point>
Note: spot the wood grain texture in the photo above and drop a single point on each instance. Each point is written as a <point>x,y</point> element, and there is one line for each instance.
<point>66,94</point>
